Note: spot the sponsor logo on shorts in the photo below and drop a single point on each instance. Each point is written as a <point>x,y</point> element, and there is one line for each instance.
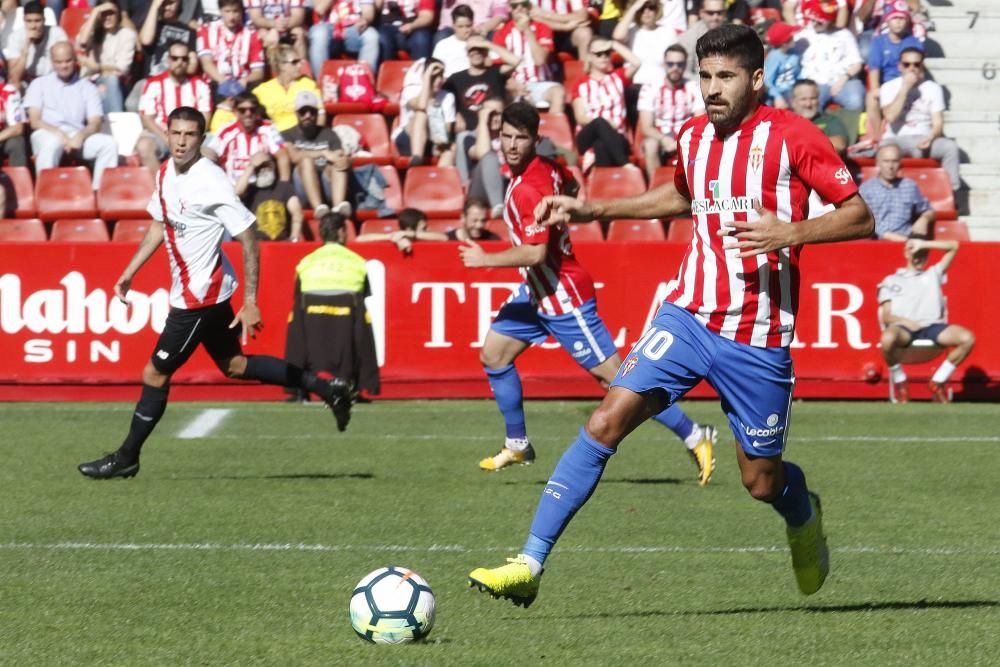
<point>773,419</point>
<point>162,354</point>
<point>579,350</point>
<point>767,443</point>
<point>763,432</point>
<point>629,365</point>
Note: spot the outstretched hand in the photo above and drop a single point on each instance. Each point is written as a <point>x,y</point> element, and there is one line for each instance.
<point>248,318</point>
<point>472,254</point>
<point>558,209</point>
<point>765,235</point>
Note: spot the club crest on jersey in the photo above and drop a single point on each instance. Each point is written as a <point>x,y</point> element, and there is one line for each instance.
<point>718,204</point>
<point>629,365</point>
<point>756,158</point>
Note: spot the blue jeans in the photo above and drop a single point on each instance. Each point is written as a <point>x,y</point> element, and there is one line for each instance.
<point>850,97</point>
<point>322,46</point>
<point>112,97</point>
<point>417,43</point>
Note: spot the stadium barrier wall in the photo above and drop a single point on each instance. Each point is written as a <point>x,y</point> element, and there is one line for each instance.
<point>65,336</point>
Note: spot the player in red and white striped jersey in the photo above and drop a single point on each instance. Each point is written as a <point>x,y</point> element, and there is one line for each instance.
<point>194,207</point>
<point>599,105</point>
<point>161,94</point>
<point>236,143</point>
<point>744,173</point>
<point>664,108</point>
<point>531,41</point>
<point>12,121</point>
<point>557,298</point>
<point>227,49</point>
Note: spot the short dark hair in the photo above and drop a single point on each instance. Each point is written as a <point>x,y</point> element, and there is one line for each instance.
<point>475,202</point>
<point>231,3</point>
<point>409,218</point>
<point>523,116</point>
<point>676,48</point>
<point>733,40</point>
<point>805,82</point>
<point>188,113</point>
<point>175,42</point>
<point>912,49</point>
<point>34,7</point>
<point>245,96</point>
<point>462,12</point>
<point>330,226</point>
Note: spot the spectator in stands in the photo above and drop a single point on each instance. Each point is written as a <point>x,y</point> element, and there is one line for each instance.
<point>901,211</point>
<point>794,11</point>
<point>426,115</point>
<point>805,102</point>
<point>782,65</point>
<point>161,94</point>
<point>475,215</point>
<point>278,95</point>
<point>28,49</point>
<point>160,28</point>
<point>272,201</point>
<point>406,25</point>
<point>227,49</point>
<point>412,227</point>
<point>65,114</point>
<point>108,49</point>
<point>320,166</point>
<point>280,21</point>
<point>868,21</point>
<point>737,11</point>
<point>913,107</point>
<point>12,17</point>
<point>235,145</point>
<point>486,171</point>
<point>912,308</point>
<point>599,106</point>
<point>883,57</point>
<point>569,20</point>
<point>487,16</point>
<point>225,112</point>
<point>830,57</point>
<point>343,27</point>
<point>12,118</point>
<point>451,51</point>
<point>664,108</point>
<point>639,28</point>
<point>673,15</point>
<point>532,42</point>
<point>711,14</point>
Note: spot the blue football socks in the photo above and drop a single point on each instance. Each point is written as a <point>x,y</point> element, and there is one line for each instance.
<point>572,483</point>
<point>793,503</point>
<point>506,386</point>
<point>676,420</point>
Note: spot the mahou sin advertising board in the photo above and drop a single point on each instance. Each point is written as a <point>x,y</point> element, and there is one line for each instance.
<point>65,336</point>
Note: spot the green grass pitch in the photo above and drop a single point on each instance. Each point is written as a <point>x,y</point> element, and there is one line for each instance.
<point>242,547</point>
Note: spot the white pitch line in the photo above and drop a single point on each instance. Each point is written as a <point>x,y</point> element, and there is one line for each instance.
<point>203,424</point>
<point>457,548</point>
<point>443,436</point>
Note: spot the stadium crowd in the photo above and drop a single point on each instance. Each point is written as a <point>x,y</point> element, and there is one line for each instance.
<point>299,95</point>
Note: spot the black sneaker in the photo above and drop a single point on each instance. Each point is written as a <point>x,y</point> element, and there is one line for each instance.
<point>338,397</point>
<point>108,467</point>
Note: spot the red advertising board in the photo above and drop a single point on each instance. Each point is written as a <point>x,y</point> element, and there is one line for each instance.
<point>65,336</point>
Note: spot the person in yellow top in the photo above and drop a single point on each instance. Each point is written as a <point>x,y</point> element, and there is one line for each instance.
<point>224,114</point>
<point>277,95</point>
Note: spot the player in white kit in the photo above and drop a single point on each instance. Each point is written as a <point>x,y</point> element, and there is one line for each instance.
<point>193,207</point>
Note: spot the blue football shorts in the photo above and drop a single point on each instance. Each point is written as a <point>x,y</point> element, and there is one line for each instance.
<point>754,383</point>
<point>581,332</point>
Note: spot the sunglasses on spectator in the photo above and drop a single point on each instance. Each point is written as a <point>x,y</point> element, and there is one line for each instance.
<point>601,54</point>
<point>174,58</point>
<point>246,109</point>
<point>307,111</point>
<point>678,64</point>
<point>717,12</point>
<point>907,64</point>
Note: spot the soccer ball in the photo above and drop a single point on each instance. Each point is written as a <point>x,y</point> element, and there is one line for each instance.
<point>392,605</point>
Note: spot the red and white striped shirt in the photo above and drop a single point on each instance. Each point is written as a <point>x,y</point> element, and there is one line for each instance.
<point>559,6</point>
<point>11,107</point>
<point>560,284</point>
<point>344,13</point>
<point>162,94</point>
<point>273,9</point>
<point>775,157</point>
<point>235,54</point>
<point>605,97</point>
<point>234,146</point>
<point>197,208</point>
<point>408,8</point>
<point>671,107</point>
<point>528,71</point>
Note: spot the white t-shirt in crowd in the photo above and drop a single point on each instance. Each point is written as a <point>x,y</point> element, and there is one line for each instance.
<point>918,109</point>
<point>649,46</point>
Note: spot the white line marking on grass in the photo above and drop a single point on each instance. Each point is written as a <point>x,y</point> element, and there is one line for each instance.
<point>449,437</point>
<point>457,548</point>
<point>203,424</point>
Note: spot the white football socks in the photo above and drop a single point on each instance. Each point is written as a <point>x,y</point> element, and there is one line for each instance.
<point>533,565</point>
<point>517,444</point>
<point>696,435</point>
<point>898,374</point>
<point>943,372</point>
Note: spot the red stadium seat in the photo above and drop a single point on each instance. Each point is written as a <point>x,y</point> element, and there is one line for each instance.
<point>72,19</point>
<point>444,225</point>
<point>950,230</point>
<point>375,133</point>
<point>380,226</point>
<point>936,186</point>
<point>555,126</point>
<point>499,227</point>
<point>614,182</point>
<point>92,230</point>
<point>131,231</point>
<point>680,229</point>
<point>17,183</point>
<point>311,230</point>
<point>585,231</point>
<point>635,230</point>
<point>21,230</point>
<point>65,192</point>
<point>662,175</point>
<point>329,77</point>
<point>124,192</point>
<point>393,194</point>
<point>577,175</point>
<point>390,82</point>
<point>437,191</point>
<point>572,72</point>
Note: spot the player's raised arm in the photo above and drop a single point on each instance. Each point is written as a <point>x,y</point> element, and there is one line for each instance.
<point>150,242</point>
<point>663,201</point>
